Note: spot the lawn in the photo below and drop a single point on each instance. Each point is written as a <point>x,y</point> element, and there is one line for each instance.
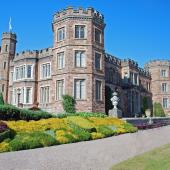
<point>157,159</point>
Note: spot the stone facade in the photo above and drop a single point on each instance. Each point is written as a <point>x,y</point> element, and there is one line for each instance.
<point>160,84</point>
<point>76,65</point>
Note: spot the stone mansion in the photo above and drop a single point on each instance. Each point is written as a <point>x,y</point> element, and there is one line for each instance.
<point>76,64</point>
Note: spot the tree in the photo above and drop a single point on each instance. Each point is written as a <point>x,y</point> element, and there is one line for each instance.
<point>158,110</point>
<point>68,104</point>
<point>145,105</point>
<point>1,99</point>
<point>108,96</point>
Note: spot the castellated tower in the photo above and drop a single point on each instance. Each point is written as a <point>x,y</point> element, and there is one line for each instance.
<point>7,54</point>
<point>78,60</point>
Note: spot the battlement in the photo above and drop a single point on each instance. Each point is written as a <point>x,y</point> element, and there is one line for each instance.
<point>9,35</point>
<point>112,59</point>
<point>144,72</point>
<point>80,12</point>
<point>134,64</point>
<point>161,62</point>
<point>26,54</point>
<point>45,52</point>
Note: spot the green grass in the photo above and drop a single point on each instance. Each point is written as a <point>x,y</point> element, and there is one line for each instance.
<point>157,159</point>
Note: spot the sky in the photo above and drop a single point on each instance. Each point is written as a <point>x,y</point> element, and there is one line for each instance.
<point>136,29</point>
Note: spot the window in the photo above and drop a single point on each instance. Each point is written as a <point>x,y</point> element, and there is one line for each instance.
<point>111,76</point>
<point>28,95</point>
<point>148,86</point>
<point>98,90</point>
<point>4,66</point>
<point>11,78</point>
<point>165,103</point>
<point>164,87</point>
<point>135,79</point>
<point>44,94</point>
<point>80,59</point>
<point>61,34</point>
<point>3,87</point>
<point>79,89</point>
<point>29,71</point>
<point>97,35</point>
<point>22,72</point>
<point>46,70</point>
<point>164,73</point>
<point>60,89</point>
<point>6,48</point>
<point>79,31</point>
<point>60,60</point>
<point>98,61</point>
<point>11,97</point>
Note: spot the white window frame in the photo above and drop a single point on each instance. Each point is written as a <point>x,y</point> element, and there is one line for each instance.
<point>41,71</point>
<point>46,102</point>
<point>165,87</point>
<point>74,88</point>
<point>166,73</point>
<point>85,31</point>
<point>163,102</point>
<point>57,96</point>
<point>81,63</point>
<point>101,96</point>
<point>63,63</point>
<point>98,69</point>
<point>25,95</point>
<point>63,38</point>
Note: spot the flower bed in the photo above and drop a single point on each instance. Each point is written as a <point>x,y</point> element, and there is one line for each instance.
<point>54,131</point>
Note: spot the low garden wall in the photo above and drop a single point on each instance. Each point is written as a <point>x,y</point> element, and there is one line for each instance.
<point>139,121</point>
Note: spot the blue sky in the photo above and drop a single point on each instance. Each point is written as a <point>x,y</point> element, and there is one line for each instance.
<point>137,29</point>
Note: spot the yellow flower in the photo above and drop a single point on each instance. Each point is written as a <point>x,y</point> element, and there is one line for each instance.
<point>4,147</point>
<point>96,135</point>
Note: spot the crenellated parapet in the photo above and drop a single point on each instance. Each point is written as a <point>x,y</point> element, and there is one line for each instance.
<point>112,59</point>
<point>70,12</point>
<point>7,35</point>
<point>45,52</point>
<point>129,62</point>
<point>134,65</point>
<point>144,72</point>
<point>26,54</point>
<point>158,62</point>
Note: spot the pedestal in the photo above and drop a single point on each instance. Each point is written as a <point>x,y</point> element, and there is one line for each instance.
<point>115,112</point>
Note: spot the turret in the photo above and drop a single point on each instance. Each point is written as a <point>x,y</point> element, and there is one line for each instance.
<point>7,54</point>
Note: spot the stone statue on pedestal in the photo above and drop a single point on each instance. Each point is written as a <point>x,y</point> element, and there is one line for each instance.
<point>115,112</point>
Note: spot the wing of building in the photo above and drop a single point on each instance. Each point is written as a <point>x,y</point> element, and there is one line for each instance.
<point>76,64</point>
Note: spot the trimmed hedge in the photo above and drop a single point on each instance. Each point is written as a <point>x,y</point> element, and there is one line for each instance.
<point>82,114</point>
<point>9,112</point>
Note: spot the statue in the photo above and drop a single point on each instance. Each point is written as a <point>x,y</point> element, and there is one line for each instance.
<point>115,112</point>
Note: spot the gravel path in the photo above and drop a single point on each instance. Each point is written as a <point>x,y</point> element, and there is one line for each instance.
<point>92,155</point>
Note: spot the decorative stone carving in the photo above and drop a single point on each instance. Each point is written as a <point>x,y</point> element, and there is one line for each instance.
<point>115,112</point>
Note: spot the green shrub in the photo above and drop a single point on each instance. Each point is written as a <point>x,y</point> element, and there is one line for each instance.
<point>1,99</point>
<point>7,134</point>
<point>145,104</point>
<point>82,114</point>
<point>130,128</point>
<point>32,140</point>
<point>68,104</point>
<point>82,134</point>
<point>9,112</point>
<point>105,130</point>
<point>158,110</point>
